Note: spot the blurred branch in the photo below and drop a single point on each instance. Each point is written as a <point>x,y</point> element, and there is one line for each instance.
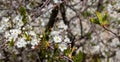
<point>52,17</point>
<point>111,32</point>
<point>63,13</point>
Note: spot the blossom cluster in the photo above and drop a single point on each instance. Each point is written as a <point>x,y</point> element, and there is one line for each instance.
<point>58,38</point>
<point>14,31</point>
<point>23,34</point>
<point>26,28</point>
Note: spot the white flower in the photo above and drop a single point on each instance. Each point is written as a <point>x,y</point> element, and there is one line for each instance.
<point>5,19</point>
<point>62,25</point>
<point>12,34</point>
<point>57,39</point>
<point>32,33</point>
<point>43,22</point>
<point>21,43</point>
<point>34,42</point>
<point>33,47</point>
<point>17,18</point>
<point>57,1</point>
<point>95,49</point>
<point>15,31</point>
<point>62,46</point>
<point>54,32</point>
<point>41,36</point>
<point>4,23</point>
<point>67,40</point>
<point>18,21</point>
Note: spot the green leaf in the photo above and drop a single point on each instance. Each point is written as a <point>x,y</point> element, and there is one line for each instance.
<point>88,35</point>
<point>105,16</point>
<point>93,20</point>
<point>105,22</point>
<point>67,52</point>
<point>99,15</point>
<point>28,38</point>
<point>23,12</point>
<point>118,21</point>
<point>86,13</point>
<point>98,60</point>
<point>24,20</point>
<point>11,43</point>
<point>102,20</point>
<point>78,57</point>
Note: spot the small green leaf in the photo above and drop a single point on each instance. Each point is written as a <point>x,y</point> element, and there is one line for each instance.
<point>93,20</point>
<point>102,20</point>
<point>67,52</point>
<point>23,12</point>
<point>98,60</point>
<point>99,15</point>
<point>86,13</point>
<point>88,35</point>
<point>78,57</point>
<point>105,22</point>
<point>28,38</point>
<point>105,16</point>
<point>11,43</point>
<point>118,21</point>
<point>24,20</point>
